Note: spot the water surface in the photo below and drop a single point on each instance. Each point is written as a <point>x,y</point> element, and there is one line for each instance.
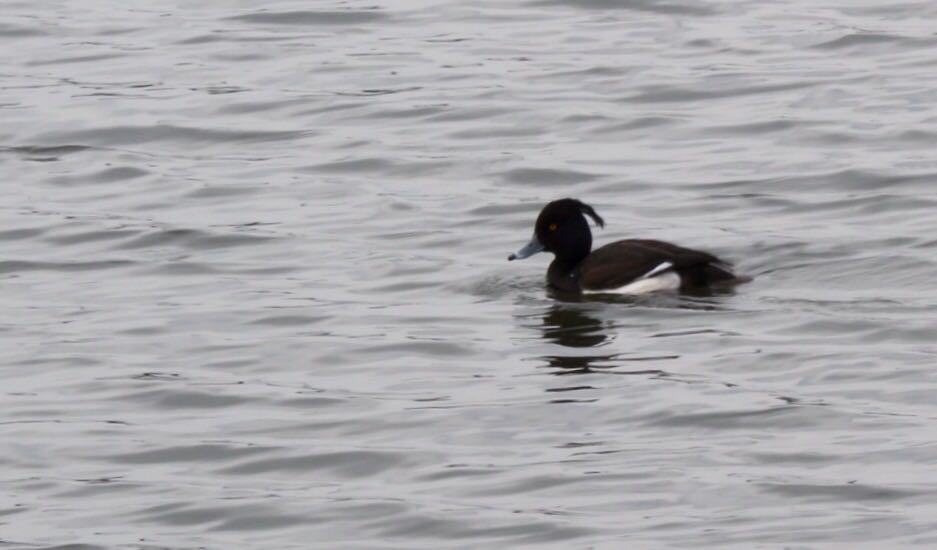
<point>256,293</point>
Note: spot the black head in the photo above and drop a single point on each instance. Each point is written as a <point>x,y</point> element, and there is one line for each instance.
<point>562,229</point>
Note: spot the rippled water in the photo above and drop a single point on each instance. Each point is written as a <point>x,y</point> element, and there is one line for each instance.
<point>252,264</point>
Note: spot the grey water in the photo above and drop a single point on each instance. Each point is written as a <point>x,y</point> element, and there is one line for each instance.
<point>255,292</point>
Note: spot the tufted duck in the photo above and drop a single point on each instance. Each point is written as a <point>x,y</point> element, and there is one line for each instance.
<point>630,266</point>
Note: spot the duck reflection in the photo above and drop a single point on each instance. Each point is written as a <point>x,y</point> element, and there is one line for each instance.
<point>573,327</point>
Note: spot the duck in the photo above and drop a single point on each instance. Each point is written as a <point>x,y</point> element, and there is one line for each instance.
<point>629,266</point>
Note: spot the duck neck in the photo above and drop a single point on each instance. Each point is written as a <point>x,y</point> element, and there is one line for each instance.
<point>563,272</point>
<point>570,260</point>
<point>575,249</point>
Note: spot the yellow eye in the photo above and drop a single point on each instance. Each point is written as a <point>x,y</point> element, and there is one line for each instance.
<point>552,227</point>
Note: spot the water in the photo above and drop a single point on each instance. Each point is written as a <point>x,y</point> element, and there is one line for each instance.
<point>256,295</point>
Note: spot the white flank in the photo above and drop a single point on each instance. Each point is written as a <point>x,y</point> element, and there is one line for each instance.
<point>662,267</point>
<point>665,281</point>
